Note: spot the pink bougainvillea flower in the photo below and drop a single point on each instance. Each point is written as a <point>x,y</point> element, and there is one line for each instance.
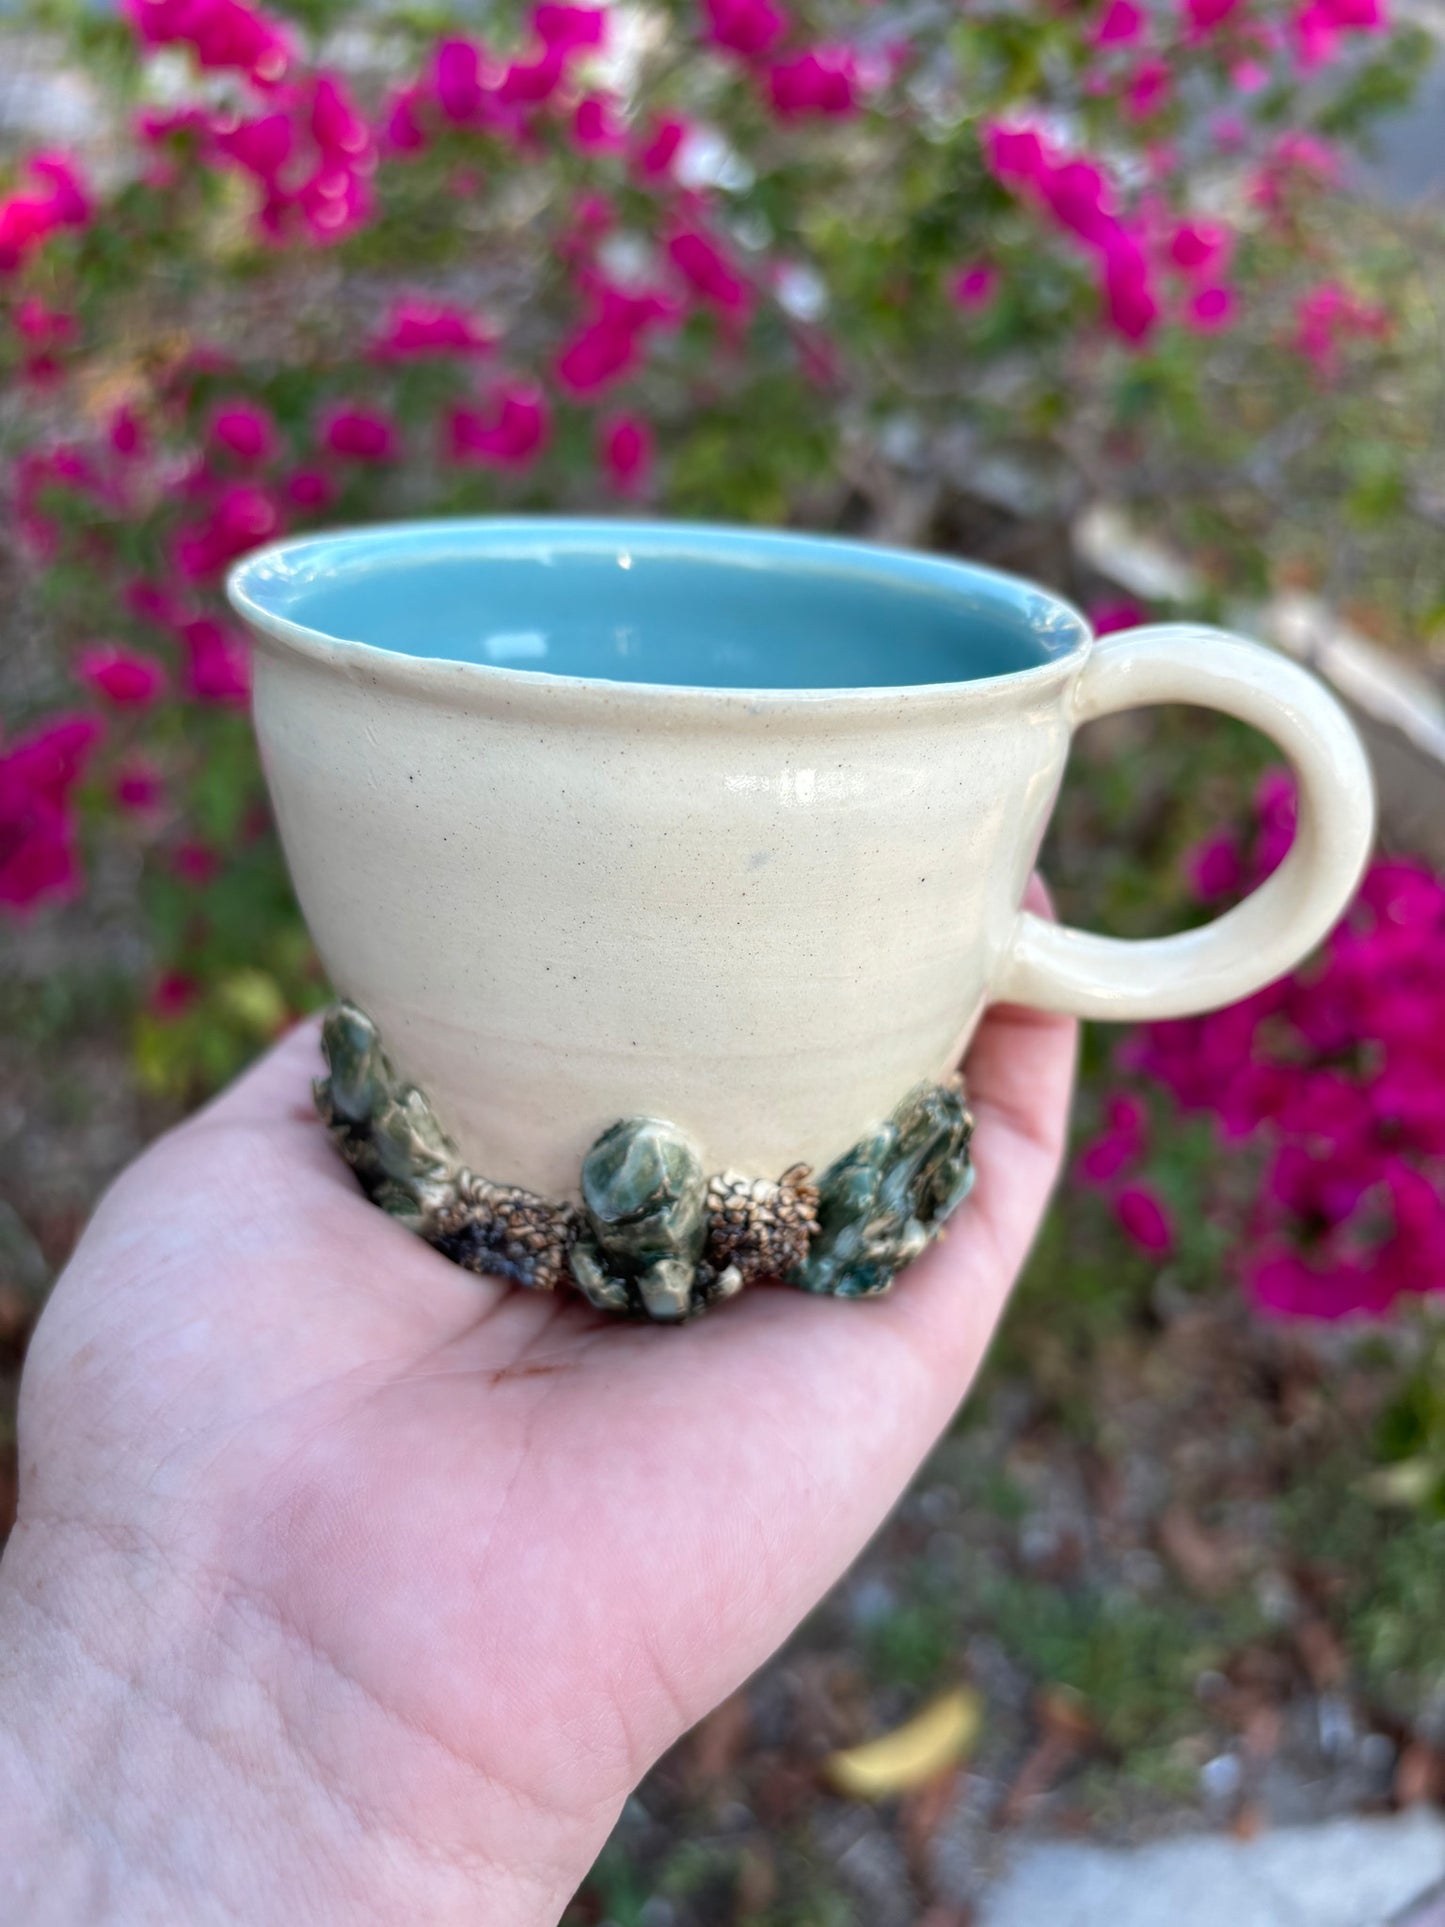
<point>337,125</point>
<point>172,995</point>
<point>1016,154</point>
<point>1287,1285</point>
<point>46,332</point>
<point>1120,1144</point>
<point>261,146</point>
<point>56,198</point>
<point>528,83</point>
<point>244,429</point>
<point>661,147</point>
<point>416,328</point>
<point>402,129</point>
<point>1206,17</point>
<point>569,28</point>
<point>610,343</point>
<point>1077,194</point>
<point>596,128</point>
<point>195,862</point>
<point>1108,618</point>
<point>625,451</point>
<point>1329,316</point>
<point>700,260</point>
<point>822,80</point>
<point>219,664</point>
<point>1211,309</point>
<point>1214,869</point>
<point>747,27</point>
<point>361,434</point>
<point>124,677</point>
<point>240,517</point>
<point>1199,247</point>
<point>137,786</point>
<point>1249,76</point>
<point>309,489</point>
<point>125,431</point>
<point>974,288</point>
<point>1129,298</point>
<point>510,432</point>
<point>1148,89</point>
<point>151,603</point>
<point>457,79</point>
<point>1119,26</point>
<point>39,854</point>
<point>1144,1220</point>
<point>222,34</point>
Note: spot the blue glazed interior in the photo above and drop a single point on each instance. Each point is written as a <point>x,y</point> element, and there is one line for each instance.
<point>657,603</point>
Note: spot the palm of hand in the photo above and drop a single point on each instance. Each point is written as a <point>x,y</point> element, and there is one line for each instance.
<point>489,1551</point>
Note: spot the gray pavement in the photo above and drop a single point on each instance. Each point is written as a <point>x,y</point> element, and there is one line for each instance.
<point>1346,1873</point>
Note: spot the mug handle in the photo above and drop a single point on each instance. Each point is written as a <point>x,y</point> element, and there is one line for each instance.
<point>1052,967</point>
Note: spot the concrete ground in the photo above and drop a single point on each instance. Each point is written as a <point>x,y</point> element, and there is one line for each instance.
<point>1385,1872</point>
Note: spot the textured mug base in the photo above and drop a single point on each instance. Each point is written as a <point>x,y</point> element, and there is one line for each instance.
<point>655,1235</point>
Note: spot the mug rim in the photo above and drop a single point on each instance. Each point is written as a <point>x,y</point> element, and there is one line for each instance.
<point>445,537</point>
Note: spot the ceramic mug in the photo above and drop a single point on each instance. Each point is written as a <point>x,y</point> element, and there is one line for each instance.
<point>608,820</point>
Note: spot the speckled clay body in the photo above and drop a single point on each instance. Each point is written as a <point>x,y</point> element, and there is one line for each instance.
<point>762,913</point>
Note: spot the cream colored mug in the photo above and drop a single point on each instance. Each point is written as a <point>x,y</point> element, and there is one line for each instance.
<point>601,821</point>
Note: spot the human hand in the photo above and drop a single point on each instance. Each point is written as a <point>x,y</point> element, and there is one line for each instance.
<point>349,1586</point>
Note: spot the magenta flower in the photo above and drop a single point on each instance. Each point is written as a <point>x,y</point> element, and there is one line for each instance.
<point>1148,89</point>
<point>1199,247</point>
<point>510,433</point>
<point>528,83</point>
<point>244,429</point>
<point>662,147</point>
<point>1214,869</point>
<point>241,516</point>
<point>361,435</point>
<point>219,664</point>
<point>1016,155</point>
<point>747,27</point>
<point>172,995</point>
<point>1211,309</point>
<point>126,434</point>
<point>1206,17</point>
<point>222,34</point>
<point>1121,25</point>
<point>137,786</point>
<point>974,288</point>
<point>310,490</point>
<point>1144,1220</point>
<point>706,269</point>
<point>1129,298</point>
<point>1119,1145</point>
<point>195,862</point>
<point>821,81</point>
<point>39,855</point>
<point>402,129</point>
<point>337,125</point>
<point>1108,618</point>
<point>261,147</point>
<point>610,343</point>
<point>457,80</point>
<point>417,328</point>
<point>123,676</point>
<point>56,199</point>
<point>595,126</point>
<point>625,451</point>
<point>569,29</point>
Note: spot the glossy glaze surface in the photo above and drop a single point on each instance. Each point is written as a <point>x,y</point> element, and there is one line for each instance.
<point>764,914</point>
<point>670,605</point>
